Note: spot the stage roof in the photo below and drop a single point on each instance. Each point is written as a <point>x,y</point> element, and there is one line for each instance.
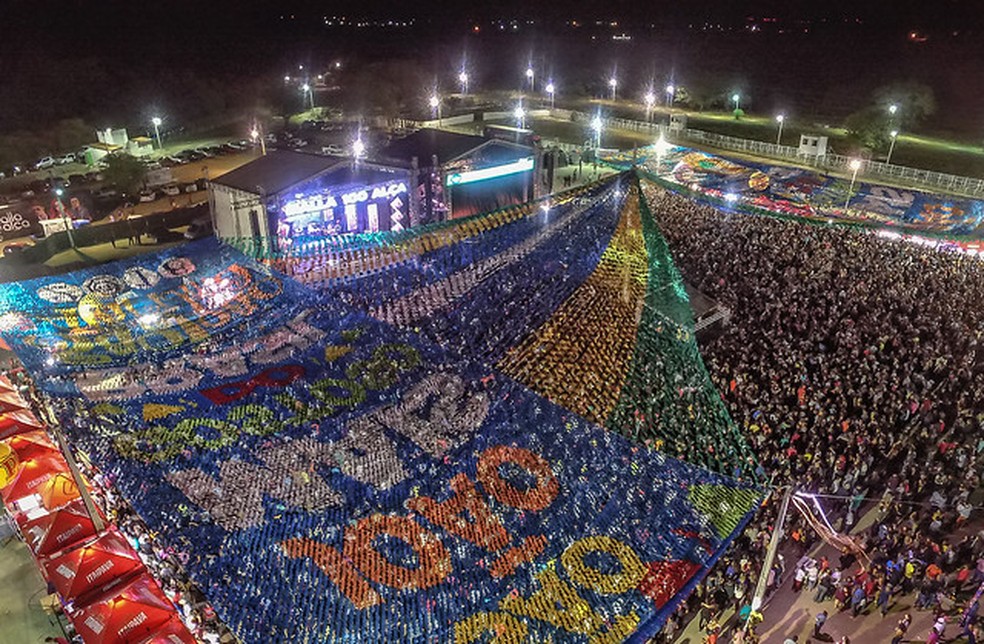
<point>447,146</point>
<point>276,172</point>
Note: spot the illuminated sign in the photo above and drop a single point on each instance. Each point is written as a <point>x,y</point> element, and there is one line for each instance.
<point>315,203</point>
<point>471,176</point>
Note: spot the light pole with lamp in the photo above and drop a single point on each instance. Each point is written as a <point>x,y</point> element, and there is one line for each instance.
<point>736,98</point>
<point>550,91</point>
<point>257,135</point>
<point>596,125</point>
<point>613,83</point>
<point>532,78</point>
<point>66,220</point>
<point>463,79</point>
<point>358,149</point>
<point>662,145</point>
<point>520,115</point>
<point>435,104</point>
<point>650,99</point>
<point>307,90</point>
<point>670,94</point>
<point>780,119</point>
<point>891,147</point>
<point>855,165</point>
<point>156,121</point>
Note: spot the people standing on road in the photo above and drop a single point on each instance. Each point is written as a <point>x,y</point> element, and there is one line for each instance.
<point>884,595</point>
<point>901,628</point>
<point>858,599</point>
<point>818,623</point>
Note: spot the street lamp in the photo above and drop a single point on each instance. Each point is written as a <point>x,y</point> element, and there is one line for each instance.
<point>855,165</point>
<point>286,79</point>
<point>737,100</point>
<point>650,99</point>
<point>550,90</point>
<point>662,146</point>
<point>613,83</point>
<point>435,104</point>
<point>257,135</point>
<point>463,79</point>
<point>157,130</point>
<point>520,115</point>
<point>596,125</point>
<point>307,90</point>
<point>891,147</point>
<point>65,219</point>
<point>670,93</point>
<point>780,120</point>
<point>893,108</point>
<point>358,148</point>
<point>530,76</point>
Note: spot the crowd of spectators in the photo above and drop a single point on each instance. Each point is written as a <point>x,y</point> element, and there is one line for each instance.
<point>164,563</point>
<point>851,363</point>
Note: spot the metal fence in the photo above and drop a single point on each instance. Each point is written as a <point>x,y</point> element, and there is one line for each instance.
<point>828,163</point>
<point>839,162</point>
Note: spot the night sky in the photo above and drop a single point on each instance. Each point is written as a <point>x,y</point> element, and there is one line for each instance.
<point>116,60</point>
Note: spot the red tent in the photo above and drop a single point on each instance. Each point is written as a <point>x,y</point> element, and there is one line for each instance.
<point>32,475</point>
<point>58,490</point>
<point>20,420</point>
<point>58,530</point>
<point>125,614</point>
<point>174,632</point>
<point>9,401</point>
<point>30,445</point>
<point>80,573</point>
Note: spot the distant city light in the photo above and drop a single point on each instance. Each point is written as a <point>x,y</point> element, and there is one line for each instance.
<point>434,101</point>
<point>550,88</point>
<point>358,148</point>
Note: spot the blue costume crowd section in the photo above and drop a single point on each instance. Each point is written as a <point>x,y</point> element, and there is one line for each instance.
<point>543,259</point>
<point>806,193</point>
<point>312,464</point>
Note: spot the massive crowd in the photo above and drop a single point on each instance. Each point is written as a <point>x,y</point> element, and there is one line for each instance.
<point>851,361</point>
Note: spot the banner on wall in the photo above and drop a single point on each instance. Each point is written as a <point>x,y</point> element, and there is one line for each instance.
<point>800,192</point>
<point>328,474</point>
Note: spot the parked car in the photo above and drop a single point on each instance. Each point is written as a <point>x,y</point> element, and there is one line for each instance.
<point>147,195</point>
<point>189,187</point>
<point>105,192</point>
<point>333,149</point>
<point>44,163</point>
<point>171,190</point>
<point>201,227</point>
<point>66,159</point>
<point>170,162</point>
<point>94,176</point>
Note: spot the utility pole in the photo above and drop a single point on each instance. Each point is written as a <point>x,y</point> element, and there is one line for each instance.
<point>770,554</point>
<point>73,467</point>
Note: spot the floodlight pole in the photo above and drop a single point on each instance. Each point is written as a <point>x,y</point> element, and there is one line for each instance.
<point>770,554</point>
<point>73,467</point>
